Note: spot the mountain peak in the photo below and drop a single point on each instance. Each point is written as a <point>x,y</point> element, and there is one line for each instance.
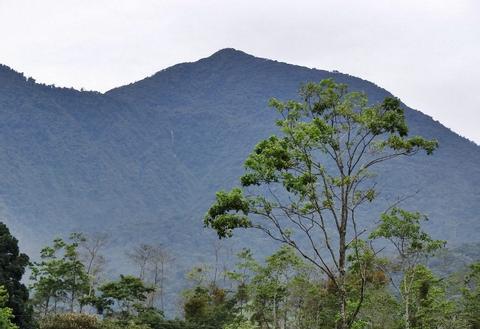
<point>229,54</point>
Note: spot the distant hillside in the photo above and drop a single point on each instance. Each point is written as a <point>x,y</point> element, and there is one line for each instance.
<point>143,161</point>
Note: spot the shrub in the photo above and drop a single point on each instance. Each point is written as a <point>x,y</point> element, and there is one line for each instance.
<point>241,324</point>
<point>69,321</point>
<point>117,324</point>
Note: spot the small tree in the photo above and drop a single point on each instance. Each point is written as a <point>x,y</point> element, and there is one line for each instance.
<point>123,297</point>
<point>403,230</point>
<point>60,277</point>
<point>305,188</point>
<point>206,305</point>
<point>90,250</point>
<point>270,288</point>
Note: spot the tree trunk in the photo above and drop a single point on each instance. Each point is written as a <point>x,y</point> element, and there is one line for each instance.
<point>47,303</point>
<point>343,321</point>
<point>275,311</point>
<point>162,296</point>
<point>342,251</point>
<point>72,300</point>
<point>406,298</point>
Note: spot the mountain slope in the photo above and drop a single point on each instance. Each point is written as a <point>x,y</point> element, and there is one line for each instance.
<point>223,98</point>
<point>143,161</point>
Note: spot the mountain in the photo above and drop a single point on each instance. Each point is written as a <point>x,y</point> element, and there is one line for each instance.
<point>143,161</point>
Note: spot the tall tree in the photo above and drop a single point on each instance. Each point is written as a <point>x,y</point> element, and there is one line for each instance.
<point>158,265</point>
<point>153,262</point>
<point>90,250</point>
<point>140,256</point>
<point>309,184</point>
<point>12,268</point>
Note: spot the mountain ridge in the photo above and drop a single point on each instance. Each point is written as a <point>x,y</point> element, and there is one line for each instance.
<point>222,54</point>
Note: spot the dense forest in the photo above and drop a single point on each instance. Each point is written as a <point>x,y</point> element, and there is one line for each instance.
<point>336,266</point>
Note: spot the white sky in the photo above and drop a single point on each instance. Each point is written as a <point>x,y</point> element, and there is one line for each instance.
<point>427,52</point>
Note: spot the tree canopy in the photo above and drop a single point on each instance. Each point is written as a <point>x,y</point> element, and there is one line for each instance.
<point>308,183</point>
<point>12,268</point>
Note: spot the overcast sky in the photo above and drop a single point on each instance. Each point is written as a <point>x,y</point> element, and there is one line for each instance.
<point>427,52</point>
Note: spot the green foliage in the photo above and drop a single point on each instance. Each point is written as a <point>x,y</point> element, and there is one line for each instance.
<point>86,321</point>
<point>403,229</point>
<point>69,321</point>
<point>176,324</point>
<point>118,324</point>
<point>429,306</point>
<point>470,301</point>
<point>283,291</point>
<point>150,317</point>
<point>380,309</point>
<point>6,314</point>
<point>309,183</point>
<point>209,307</point>
<point>225,221</point>
<point>12,268</point>
<point>123,296</point>
<point>312,303</point>
<point>423,296</point>
<point>241,324</point>
<point>59,280</point>
<point>309,127</point>
<point>270,287</point>
<point>146,319</point>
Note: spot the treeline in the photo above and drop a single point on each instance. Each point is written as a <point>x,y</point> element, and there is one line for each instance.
<point>70,289</point>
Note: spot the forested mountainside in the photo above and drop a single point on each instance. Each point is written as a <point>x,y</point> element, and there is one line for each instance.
<point>143,161</point>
